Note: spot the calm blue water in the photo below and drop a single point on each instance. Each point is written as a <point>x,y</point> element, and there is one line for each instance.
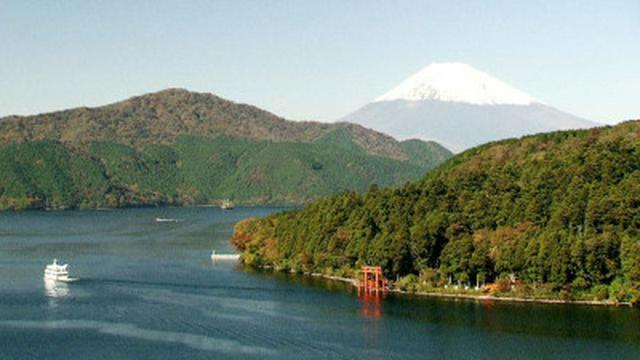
<point>149,290</point>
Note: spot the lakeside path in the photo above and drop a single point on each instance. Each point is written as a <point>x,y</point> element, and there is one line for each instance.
<point>482,297</point>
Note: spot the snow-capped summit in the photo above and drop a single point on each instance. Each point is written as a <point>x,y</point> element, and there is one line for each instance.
<point>456,82</point>
<point>460,107</point>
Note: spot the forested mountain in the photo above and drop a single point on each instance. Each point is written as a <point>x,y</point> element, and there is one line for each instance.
<point>177,147</point>
<point>559,212</point>
<point>159,118</point>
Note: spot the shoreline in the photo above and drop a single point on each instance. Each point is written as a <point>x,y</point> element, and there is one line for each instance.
<point>143,206</point>
<point>482,297</point>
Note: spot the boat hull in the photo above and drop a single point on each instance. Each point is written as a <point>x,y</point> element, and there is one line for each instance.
<point>60,279</point>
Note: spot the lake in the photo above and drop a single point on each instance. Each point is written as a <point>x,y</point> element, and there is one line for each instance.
<point>149,290</point>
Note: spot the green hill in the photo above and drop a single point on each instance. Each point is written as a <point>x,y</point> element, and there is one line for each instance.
<point>422,153</point>
<point>176,147</point>
<point>559,212</point>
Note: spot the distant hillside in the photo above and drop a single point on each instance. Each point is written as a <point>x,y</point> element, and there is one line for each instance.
<point>559,212</point>
<point>159,118</point>
<point>176,147</point>
<point>425,153</point>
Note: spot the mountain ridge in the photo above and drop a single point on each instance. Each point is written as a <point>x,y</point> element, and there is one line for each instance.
<point>206,115</point>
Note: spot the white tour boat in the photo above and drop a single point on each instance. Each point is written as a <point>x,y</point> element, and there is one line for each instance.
<point>57,272</point>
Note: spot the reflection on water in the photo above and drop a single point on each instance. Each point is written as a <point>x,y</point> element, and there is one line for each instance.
<point>55,289</point>
<point>370,304</point>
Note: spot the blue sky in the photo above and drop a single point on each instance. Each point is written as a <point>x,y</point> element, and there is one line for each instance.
<point>315,60</point>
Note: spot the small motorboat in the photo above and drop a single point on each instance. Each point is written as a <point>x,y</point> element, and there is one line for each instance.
<point>227,205</point>
<point>57,272</point>
<point>164,220</point>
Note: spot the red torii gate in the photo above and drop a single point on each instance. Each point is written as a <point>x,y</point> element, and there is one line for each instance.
<point>372,279</point>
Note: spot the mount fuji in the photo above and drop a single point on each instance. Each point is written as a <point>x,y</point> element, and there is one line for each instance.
<point>460,107</point>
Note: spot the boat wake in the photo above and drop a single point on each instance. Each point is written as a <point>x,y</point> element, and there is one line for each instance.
<point>195,341</point>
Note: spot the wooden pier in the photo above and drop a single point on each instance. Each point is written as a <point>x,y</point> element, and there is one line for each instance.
<point>232,257</point>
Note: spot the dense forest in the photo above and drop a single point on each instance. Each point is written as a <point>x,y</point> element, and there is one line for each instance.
<point>176,147</point>
<point>554,215</point>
